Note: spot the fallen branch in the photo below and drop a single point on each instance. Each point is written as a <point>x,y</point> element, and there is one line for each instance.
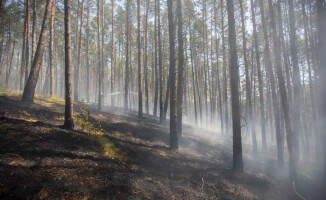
<point>202,182</point>
<point>301,197</point>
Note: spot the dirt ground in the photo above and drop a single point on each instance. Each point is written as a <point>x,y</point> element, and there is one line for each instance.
<point>40,160</point>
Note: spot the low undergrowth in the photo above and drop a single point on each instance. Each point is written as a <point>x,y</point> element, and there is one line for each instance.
<point>95,131</point>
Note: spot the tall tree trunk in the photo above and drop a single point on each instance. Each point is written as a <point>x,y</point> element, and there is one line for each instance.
<point>29,90</point>
<point>69,123</point>
<point>204,46</point>
<point>99,60</point>
<point>102,53</point>
<point>167,98</point>
<point>27,39</point>
<point>234,82</point>
<point>10,67</point>
<point>87,54</point>
<point>52,51</point>
<point>192,72</point>
<point>248,89</point>
<point>172,75</point>
<point>23,64</point>
<point>140,93</point>
<point>180,68</point>
<point>155,63</point>
<point>146,58</point>
<point>33,31</point>
<point>273,88</point>
<point>321,19</point>
<point>160,61</point>
<point>309,63</point>
<point>112,53</point>
<point>287,120</point>
<point>127,58</point>
<point>296,79</point>
<point>225,86</point>
<point>284,51</point>
<point>284,99</point>
<point>217,44</point>
<point>8,57</point>
<point>77,70</point>
<point>2,5</point>
<point>260,81</point>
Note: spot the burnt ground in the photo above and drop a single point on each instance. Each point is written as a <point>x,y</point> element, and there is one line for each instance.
<point>40,160</point>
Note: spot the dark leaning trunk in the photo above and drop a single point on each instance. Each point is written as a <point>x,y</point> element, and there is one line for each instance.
<point>29,90</point>
<point>69,123</point>
<point>234,82</point>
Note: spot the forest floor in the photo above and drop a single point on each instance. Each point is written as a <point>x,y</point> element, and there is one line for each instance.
<point>126,159</point>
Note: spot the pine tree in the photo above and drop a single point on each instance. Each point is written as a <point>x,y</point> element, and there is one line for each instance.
<point>69,122</point>
<point>234,82</point>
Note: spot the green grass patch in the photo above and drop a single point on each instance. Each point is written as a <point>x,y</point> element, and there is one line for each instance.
<point>42,100</point>
<point>11,93</point>
<point>95,131</point>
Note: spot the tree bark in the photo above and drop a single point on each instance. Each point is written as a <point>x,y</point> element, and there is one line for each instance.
<point>273,88</point>
<point>321,20</point>
<point>127,58</point>
<point>87,54</point>
<point>296,79</point>
<point>77,70</point>
<point>10,67</point>
<point>2,5</point>
<point>27,39</point>
<point>99,59</point>
<point>217,44</point>
<point>248,89</point>
<point>69,123</point>
<point>180,68</point>
<point>140,93</point>
<point>155,62</point>
<point>29,90</point>
<point>225,87</point>
<point>193,74</point>
<point>33,31</point>
<point>52,66</point>
<point>234,82</point>
<point>146,58</point>
<point>172,74</point>
<point>112,53</point>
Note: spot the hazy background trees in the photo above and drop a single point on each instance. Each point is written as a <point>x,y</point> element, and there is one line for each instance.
<point>176,60</point>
